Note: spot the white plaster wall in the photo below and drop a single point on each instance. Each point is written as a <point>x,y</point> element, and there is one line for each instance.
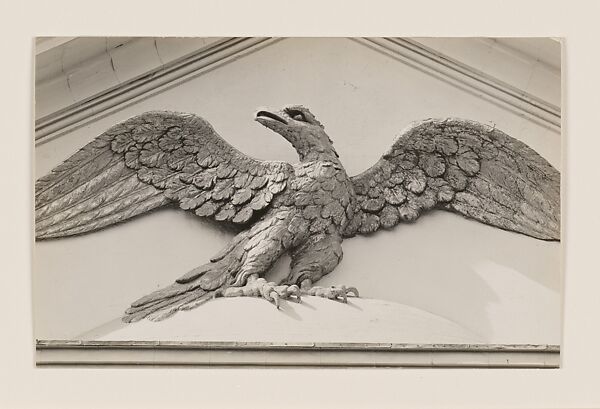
<point>529,64</point>
<point>502,286</point>
<point>85,66</point>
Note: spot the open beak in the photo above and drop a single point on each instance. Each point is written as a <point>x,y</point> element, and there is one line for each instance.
<point>266,117</point>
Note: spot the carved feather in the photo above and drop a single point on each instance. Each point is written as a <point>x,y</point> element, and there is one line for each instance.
<point>464,167</point>
<point>159,158</point>
<point>147,162</point>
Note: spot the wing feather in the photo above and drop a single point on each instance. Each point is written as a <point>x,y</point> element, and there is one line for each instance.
<point>147,162</point>
<point>464,167</point>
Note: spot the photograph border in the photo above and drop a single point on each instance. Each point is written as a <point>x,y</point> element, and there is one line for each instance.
<point>215,54</point>
<point>574,385</point>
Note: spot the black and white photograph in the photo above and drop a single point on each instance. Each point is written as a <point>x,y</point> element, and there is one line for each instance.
<point>338,204</point>
<point>257,201</point>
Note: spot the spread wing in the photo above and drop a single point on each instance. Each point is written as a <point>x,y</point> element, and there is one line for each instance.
<point>149,161</point>
<point>464,167</point>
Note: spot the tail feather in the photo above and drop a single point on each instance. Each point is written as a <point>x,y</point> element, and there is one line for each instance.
<point>166,302</point>
<point>207,280</point>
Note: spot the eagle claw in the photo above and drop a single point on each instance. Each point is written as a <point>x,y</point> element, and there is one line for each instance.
<point>332,293</point>
<point>259,287</point>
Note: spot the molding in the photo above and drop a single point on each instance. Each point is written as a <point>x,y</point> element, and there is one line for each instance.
<point>522,46</point>
<point>77,353</point>
<point>174,73</point>
<point>152,82</point>
<point>43,44</point>
<point>441,66</point>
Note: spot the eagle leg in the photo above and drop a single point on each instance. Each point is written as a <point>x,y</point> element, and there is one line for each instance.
<point>316,257</point>
<point>235,271</point>
<point>257,286</point>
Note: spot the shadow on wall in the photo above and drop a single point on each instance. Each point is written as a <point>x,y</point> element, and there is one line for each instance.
<point>447,273</point>
<point>442,264</point>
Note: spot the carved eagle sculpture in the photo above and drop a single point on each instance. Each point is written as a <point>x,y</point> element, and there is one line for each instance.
<point>307,209</point>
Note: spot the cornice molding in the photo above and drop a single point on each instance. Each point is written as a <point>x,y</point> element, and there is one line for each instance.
<point>150,83</point>
<point>229,49</point>
<point>74,353</point>
<point>463,76</point>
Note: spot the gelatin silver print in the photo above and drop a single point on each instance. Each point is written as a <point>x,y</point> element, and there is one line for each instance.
<point>298,201</point>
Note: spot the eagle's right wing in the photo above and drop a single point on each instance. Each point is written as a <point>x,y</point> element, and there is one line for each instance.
<point>461,166</point>
<point>149,161</point>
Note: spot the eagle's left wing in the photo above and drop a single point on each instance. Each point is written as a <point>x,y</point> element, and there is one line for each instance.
<point>461,166</point>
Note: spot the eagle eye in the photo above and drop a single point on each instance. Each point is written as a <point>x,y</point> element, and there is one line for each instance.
<point>296,115</point>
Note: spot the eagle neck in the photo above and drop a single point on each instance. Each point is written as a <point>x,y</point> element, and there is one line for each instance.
<point>326,155</point>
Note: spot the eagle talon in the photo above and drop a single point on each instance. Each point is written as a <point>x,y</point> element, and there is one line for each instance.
<point>275,298</point>
<point>259,287</point>
<point>333,293</point>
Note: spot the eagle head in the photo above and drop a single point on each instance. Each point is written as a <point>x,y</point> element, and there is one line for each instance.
<point>302,129</point>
